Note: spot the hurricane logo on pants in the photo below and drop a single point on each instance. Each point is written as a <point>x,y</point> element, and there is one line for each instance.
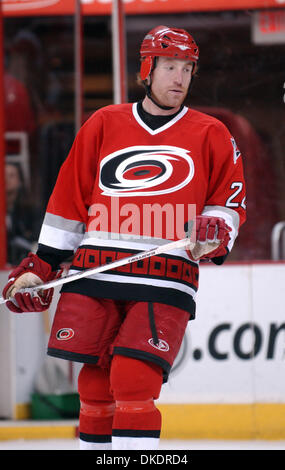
<point>145,171</point>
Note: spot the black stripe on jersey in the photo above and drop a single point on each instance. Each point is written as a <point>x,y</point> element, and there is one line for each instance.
<point>53,256</point>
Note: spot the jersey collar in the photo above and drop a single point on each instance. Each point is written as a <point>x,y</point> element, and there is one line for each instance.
<point>159,129</point>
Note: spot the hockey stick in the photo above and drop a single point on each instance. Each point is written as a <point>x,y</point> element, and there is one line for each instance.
<point>185,242</point>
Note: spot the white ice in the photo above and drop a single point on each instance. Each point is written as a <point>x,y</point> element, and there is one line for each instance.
<point>72,444</point>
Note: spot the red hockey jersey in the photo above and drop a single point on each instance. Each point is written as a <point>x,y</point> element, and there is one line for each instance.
<point>125,188</point>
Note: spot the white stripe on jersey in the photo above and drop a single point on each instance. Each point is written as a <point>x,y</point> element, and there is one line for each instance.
<point>59,238</point>
<point>120,278</point>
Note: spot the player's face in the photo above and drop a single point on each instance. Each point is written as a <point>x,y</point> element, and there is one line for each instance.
<point>170,81</point>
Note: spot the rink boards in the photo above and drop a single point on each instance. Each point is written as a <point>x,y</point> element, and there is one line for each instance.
<point>228,379</point>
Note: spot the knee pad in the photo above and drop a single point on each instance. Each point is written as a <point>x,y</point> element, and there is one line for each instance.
<point>96,400</point>
<point>133,379</point>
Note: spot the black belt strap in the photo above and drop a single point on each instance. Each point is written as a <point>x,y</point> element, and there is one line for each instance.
<point>152,323</point>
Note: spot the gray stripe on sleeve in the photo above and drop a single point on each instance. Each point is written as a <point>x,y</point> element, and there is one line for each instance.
<point>64,224</point>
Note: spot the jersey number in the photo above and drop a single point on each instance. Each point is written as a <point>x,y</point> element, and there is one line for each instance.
<point>230,201</point>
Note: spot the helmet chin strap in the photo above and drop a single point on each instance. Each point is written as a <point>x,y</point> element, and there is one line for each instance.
<point>148,93</point>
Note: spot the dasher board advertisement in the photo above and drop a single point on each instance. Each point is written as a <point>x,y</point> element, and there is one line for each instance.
<point>103,7</point>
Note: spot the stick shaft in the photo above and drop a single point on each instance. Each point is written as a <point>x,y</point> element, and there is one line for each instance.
<point>106,267</point>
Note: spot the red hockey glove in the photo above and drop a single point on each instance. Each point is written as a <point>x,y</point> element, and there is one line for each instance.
<point>31,272</point>
<point>212,238</point>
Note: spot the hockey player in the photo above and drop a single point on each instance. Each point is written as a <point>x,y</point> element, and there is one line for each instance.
<point>126,325</point>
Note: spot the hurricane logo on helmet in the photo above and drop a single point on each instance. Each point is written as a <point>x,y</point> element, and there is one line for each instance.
<point>145,171</point>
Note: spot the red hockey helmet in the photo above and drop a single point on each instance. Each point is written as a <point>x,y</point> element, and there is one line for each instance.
<point>167,42</point>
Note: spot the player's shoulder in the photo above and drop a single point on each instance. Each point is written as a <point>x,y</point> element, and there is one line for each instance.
<point>206,120</point>
<point>98,117</point>
<point>113,109</point>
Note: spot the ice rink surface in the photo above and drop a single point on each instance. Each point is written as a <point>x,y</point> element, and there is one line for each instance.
<point>72,444</point>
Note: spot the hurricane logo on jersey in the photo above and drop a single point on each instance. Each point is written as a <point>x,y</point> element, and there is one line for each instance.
<point>145,171</point>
